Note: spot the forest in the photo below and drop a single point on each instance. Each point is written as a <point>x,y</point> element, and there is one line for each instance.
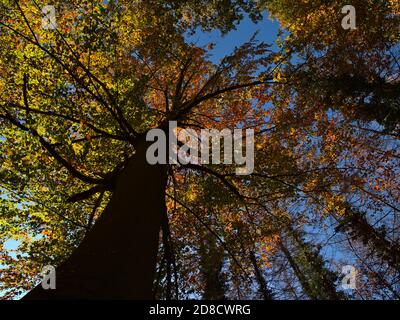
<point>83,83</point>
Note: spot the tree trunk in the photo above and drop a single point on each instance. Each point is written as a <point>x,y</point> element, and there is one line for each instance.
<point>358,227</point>
<point>298,273</point>
<point>117,259</point>
<point>320,277</point>
<point>262,285</point>
<point>211,265</point>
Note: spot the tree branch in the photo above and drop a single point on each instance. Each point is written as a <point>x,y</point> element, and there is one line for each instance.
<point>73,171</point>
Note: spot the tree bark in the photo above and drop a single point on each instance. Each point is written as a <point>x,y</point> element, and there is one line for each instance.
<point>117,259</point>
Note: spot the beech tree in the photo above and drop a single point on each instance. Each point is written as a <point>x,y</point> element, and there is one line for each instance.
<point>77,192</point>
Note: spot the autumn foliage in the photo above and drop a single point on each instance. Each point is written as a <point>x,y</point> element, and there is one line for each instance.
<point>324,104</point>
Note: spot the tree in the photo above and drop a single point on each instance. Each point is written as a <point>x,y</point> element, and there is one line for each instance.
<point>211,262</point>
<point>349,78</point>
<point>86,93</point>
<point>355,71</point>
<point>77,191</point>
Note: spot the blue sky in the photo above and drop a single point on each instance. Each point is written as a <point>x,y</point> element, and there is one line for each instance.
<point>224,45</point>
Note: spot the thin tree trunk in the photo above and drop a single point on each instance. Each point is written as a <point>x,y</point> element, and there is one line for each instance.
<point>322,277</point>
<point>211,264</point>
<point>263,288</point>
<point>299,274</point>
<point>357,226</point>
<point>117,259</point>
